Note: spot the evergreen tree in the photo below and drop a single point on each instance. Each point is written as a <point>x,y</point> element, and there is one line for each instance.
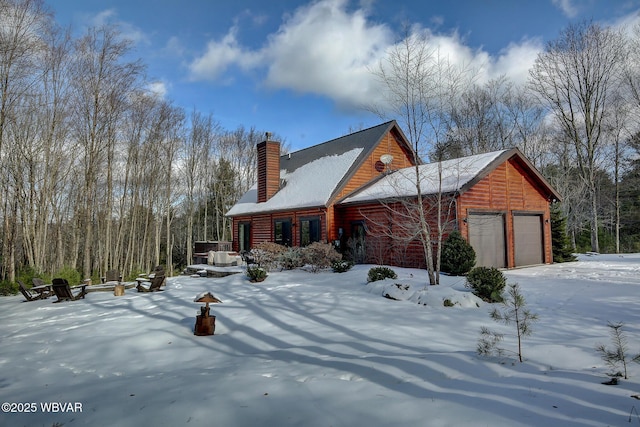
<point>514,313</point>
<point>561,245</point>
<point>458,256</point>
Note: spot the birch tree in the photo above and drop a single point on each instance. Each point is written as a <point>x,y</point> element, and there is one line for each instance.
<point>23,23</point>
<point>197,153</point>
<point>419,86</point>
<point>102,79</point>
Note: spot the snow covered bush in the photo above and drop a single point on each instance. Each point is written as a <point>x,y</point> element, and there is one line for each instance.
<point>380,273</point>
<point>341,266</point>
<point>256,273</point>
<point>291,258</point>
<point>398,292</point>
<point>487,283</point>
<point>458,256</point>
<point>266,254</point>
<point>320,255</point>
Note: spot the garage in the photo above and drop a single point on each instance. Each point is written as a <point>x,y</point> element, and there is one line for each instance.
<point>487,237</point>
<point>528,242</point>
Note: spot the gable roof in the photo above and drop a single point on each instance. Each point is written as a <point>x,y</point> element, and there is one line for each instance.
<point>458,175</point>
<point>313,176</point>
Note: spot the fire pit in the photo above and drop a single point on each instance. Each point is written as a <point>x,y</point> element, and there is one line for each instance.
<point>205,323</point>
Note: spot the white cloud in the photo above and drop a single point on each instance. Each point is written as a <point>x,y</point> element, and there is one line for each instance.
<point>222,54</point>
<point>567,7</point>
<point>328,49</point>
<point>516,60</point>
<point>628,24</point>
<point>127,30</point>
<point>175,46</point>
<point>158,88</point>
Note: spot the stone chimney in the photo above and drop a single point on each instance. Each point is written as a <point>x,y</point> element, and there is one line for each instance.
<point>268,168</point>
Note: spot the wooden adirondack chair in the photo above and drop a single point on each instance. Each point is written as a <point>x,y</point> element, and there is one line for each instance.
<point>63,291</point>
<point>36,281</point>
<point>112,276</point>
<point>44,294</point>
<point>155,284</point>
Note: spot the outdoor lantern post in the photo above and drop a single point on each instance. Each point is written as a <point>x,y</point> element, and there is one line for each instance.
<point>205,323</point>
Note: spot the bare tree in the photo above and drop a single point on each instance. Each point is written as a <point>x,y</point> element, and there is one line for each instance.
<point>482,121</point>
<point>23,24</point>
<point>171,139</point>
<point>576,77</point>
<point>130,237</point>
<point>196,154</point>
<point>420,86</point>
<point>495,116</point>
<point>102,80</point>
<point>632,69</point>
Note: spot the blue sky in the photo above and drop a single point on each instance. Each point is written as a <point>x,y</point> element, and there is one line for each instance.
<point>301,69</point>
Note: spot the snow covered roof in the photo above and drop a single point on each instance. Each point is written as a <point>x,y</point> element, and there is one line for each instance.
<point>455,173</point>
<point>309,185</point>
<point>312,176</point>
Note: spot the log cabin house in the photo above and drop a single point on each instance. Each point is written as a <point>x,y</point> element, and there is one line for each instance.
<point>359,192</point>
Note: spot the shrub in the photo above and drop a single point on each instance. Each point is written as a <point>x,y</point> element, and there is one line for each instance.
<point>487,283</point>
<point>256,273</point>
<point>8,288</point>
<point>458,256</point>
<point>266,254</point>
<point>137,272</point>
<point>26,274</point>
<point>72,275</point>
<point>291,258</point>
<point>320,255</point>
<point>381,273</point>
<point>341,266</point>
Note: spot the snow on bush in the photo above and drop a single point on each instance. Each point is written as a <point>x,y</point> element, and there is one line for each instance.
<point>419,293</point>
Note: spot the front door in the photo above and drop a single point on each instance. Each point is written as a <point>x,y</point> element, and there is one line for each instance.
<point>357,242</point>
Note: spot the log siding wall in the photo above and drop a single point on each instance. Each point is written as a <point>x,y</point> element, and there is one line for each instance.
<point>389,240</point>
<point>262,226</point>
<point>509,190</point>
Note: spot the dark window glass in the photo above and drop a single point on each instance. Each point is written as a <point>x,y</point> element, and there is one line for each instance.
<point>244,236</point>
<point>309,231</point>
<point>282,232</point>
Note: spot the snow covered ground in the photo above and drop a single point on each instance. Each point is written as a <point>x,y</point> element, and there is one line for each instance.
<point>326,349</point>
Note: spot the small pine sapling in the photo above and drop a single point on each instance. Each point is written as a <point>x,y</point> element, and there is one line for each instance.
<point>618,354</point>
<point>514,313</point>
